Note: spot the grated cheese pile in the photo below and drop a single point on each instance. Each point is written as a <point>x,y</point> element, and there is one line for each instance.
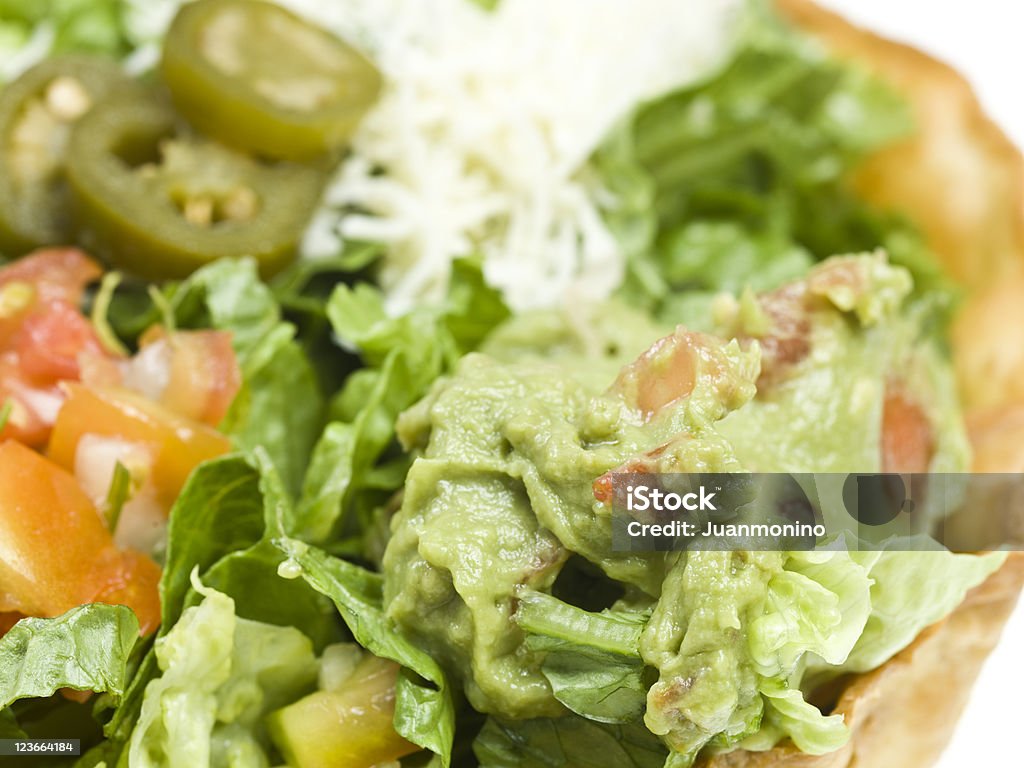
<point>480,141</point>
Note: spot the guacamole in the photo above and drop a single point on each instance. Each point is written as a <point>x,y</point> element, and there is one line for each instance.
<point>506,490</point>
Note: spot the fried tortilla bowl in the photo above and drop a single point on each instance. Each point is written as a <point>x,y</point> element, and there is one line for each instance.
<point>962,181</point>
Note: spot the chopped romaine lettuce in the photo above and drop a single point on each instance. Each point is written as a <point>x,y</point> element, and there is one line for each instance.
<point>591,660</point>
<point>86,649</point>
<point>220,675</point>
<point>352,475</point>
<point>745,177</point>
<point>566,742</point>
<point>89,648</point>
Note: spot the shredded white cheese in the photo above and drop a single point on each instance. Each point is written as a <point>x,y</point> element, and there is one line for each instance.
<point>480,140</point>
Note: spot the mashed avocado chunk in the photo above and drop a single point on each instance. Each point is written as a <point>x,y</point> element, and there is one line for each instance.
<point>837,350</point>
<point>502,495</point>
<point>506,499</point>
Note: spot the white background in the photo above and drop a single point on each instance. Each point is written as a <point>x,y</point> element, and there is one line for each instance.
<point>984,40</point>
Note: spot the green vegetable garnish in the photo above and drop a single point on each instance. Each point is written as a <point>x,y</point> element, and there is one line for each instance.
<point>37,114</point>
<point>261,79</point>
<point>162,205</point>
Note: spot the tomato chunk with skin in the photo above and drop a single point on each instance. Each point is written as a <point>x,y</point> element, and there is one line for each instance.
<point>32,408</point>
<point>58,273</point>
<point>907,439</point>
<point>42,277</point>
<point>55,550</point>
<point>176,444</point>
<point>43,337</point>
<point>51,341</point>
<point>663,374</point>
<point>203,376</point>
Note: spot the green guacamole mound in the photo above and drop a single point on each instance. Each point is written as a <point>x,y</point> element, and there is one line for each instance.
<point>501,499</point>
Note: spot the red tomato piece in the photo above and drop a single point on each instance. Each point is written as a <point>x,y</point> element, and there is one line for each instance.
<point>57,273</point>
<point>51,342</point>
<point>177,444</point>
<point>55,550</point>
<point>908,443</point>
<point>203,376</point>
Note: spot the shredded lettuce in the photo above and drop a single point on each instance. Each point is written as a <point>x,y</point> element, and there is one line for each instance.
<point>566,742</point>
<point>354,470</point>
<point>220,674</point>
<point>745,177</point>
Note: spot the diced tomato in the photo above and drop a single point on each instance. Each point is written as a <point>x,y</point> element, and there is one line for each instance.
<point>669,370</point>
<point>666,372</point>
<point>44,350</point>
<point>58,274</point>
<point>16,301</point>
<point>177,443</point>
<point>43,336</point>
<point>787,342</point>
<point>652,462</point>
<point>32,409</point>
<point>51,341</point>
<point>204,376</point>
<point>907,438</point>
<point>51,275</point>
<point>55,550</point>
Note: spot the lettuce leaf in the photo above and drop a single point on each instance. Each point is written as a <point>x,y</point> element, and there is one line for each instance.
<point>567,742</point>
<point>220,528</point>
<point>744,177</point>
<point>356,467</point>
<point>591,660</point>
<point>250,577</point>
<point>753,633</point>
<point>89,648</point>
<point>424,710</point>
<point>220,675</point>
<point>910,591</point>
<point>86,649</point>
<point>220,510</point>
<point>788,714</point>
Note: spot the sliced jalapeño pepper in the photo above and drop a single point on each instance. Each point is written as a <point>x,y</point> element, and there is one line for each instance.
<point>152,198</point>
<point>37,113</point>
<point>259,78</point>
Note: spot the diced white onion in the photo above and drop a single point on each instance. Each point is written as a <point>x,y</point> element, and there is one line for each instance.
<point>149,371</point>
